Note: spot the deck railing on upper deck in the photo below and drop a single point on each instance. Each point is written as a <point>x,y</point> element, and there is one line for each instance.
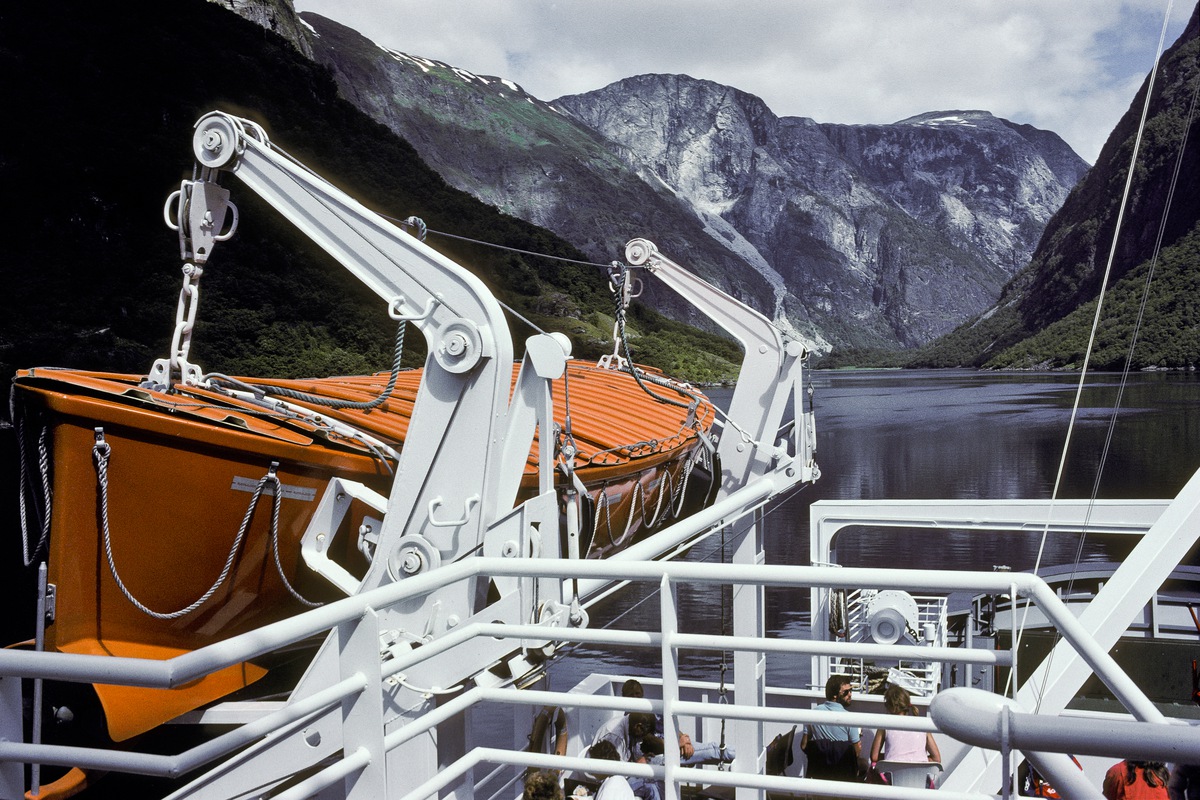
<point>669,641</point>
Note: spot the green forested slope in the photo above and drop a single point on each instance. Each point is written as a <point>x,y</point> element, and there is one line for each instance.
<point>101,99</point>
<point>1169,332</point>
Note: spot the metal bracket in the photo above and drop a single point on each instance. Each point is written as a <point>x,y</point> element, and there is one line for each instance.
<point>318,537</point>
<point>398,301</point>
<point>436,503</point>
<point>51,602</point>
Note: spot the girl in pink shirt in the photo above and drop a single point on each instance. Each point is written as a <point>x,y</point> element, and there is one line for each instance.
<point>902,745</point>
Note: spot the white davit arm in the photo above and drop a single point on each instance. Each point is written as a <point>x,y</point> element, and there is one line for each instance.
<point>461,406</point>
<point>771,375</point>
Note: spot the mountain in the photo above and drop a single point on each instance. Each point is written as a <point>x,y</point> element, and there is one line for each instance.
<point>487,136</point>
<point>883,235</point>
<point>107,100</point>
<point>901,227</point>
<point>1045,314</point>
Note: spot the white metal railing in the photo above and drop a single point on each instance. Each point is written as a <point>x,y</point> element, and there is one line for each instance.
<point>670,641</point>
<point>1164,531</point>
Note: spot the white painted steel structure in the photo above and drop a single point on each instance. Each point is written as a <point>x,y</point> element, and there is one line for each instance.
<point>376,717</point>
<point>454,494</point>
<point>356,618</point>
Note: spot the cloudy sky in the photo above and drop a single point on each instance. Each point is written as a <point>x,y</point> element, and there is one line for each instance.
<point>1070,66</point>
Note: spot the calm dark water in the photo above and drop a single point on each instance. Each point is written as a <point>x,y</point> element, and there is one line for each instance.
<point>935,434</point>
<point>941,434</point>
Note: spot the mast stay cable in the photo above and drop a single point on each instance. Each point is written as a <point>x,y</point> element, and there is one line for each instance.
<point>1083,372</point>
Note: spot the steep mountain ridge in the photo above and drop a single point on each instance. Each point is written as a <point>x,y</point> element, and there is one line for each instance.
<point>1044,315</point>
<point>818,202</point>
<point>487,136</point>
<point>93,277</point>
<point>774,209</point>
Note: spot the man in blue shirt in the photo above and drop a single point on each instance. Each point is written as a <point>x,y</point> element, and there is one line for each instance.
<point>834,752</point>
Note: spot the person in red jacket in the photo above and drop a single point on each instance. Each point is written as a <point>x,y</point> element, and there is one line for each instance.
<point>1136,780</point>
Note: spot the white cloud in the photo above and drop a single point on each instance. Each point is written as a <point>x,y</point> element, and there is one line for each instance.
<point>1070,66</point>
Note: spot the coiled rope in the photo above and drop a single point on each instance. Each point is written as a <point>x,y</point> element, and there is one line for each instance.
<point>365,405</point>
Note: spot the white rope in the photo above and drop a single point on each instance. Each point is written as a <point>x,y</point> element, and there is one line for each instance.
<point>602,504</point>
<point>681,492</point>
<point>271,476</point>
<point>44,471</point>
<point>654,517</point>
<point>635,494</point>
<point>102,451</point>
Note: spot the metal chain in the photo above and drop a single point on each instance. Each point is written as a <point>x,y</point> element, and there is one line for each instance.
<point>620,282</point>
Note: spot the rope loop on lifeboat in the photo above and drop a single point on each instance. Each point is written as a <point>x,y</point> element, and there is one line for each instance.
<point>39,549</point>
<point>102,452</point>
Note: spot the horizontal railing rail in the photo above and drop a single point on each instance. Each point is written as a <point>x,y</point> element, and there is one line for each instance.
<point>187,667</point>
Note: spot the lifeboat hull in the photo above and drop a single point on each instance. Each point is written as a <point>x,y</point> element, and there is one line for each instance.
<point>162,503</point>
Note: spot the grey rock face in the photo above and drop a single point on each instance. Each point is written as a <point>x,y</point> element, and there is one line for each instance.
<point>885,234</point>
<point>846,235</point>
<point>274,15</point>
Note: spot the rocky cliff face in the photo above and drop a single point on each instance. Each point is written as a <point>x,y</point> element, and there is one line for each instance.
<point>901,228</point>
<point>278,16</point>
<point>1045,315</point>
<point>882,235</point>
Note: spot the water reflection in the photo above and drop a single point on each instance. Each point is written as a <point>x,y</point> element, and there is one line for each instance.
<point>944,434</point>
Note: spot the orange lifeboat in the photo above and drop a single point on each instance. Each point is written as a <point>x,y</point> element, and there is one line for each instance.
<point>175,518</point>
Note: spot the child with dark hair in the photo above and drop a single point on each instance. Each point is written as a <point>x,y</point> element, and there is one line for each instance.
<point>612,744</point>
<point>604,751</point>
<point>1136,780</point>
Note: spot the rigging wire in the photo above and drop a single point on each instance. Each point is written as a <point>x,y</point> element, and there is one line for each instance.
<point>495,246</point>
<point>1141,315</point>
<point>482,243</point>
<point>717,552</point>
<point>1091,345</point>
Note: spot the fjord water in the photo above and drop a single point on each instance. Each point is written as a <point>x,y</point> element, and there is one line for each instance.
<point>939,434</point>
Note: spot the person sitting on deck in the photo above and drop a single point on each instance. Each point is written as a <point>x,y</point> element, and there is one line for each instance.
<point>1136,780</point>
<point>902,745</point>
<point>690,753</point>
<point>834,752</point>
<point>542,785</point>
<point>606,750</point>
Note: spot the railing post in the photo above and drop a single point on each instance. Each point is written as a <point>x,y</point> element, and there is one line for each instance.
<point>669,620</point>
<point>749,668</point>
<point>362,713</point>
<point>12,774</point>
